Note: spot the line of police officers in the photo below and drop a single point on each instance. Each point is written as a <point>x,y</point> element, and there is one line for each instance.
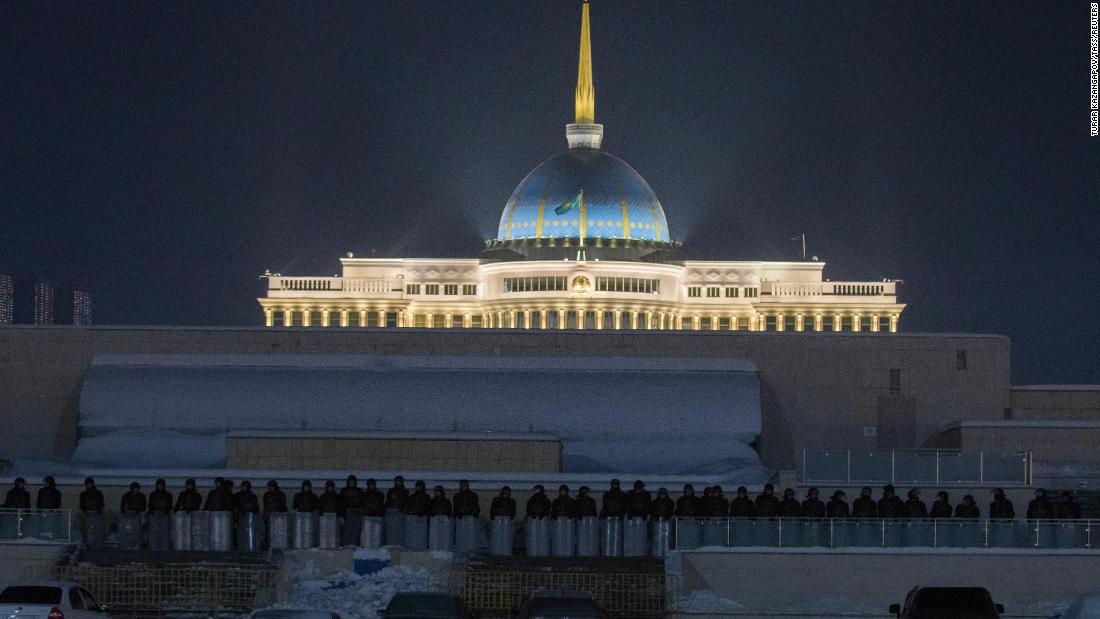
<point>353,501</point>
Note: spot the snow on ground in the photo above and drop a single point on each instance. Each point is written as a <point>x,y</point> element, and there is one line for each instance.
<point>349,594</point>
<point>706,601</point>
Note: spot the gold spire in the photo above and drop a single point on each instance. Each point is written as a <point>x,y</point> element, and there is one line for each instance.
<point>586,90</point>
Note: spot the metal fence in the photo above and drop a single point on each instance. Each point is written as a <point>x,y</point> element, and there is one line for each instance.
<point>171,590</point>
<point>867,533</point>
<point>43,525</point>
<point>937,467</point>
<point>499,593</point>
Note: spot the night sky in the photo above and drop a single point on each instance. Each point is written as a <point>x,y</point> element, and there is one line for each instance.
<point>163,154</point>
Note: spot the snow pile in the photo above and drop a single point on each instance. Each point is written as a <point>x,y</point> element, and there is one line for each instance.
<point>151,449</point>
<point>832,606</point>
<point>351,595</point>
<point>706,601</point>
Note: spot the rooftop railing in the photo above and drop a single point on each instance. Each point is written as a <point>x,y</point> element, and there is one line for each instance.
<point>885,533</point>
<point>931,467</point>
<point>371,285</point>
<point>39,525</point>
<point>814,289</point>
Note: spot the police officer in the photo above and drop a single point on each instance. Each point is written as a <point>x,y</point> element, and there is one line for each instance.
<point>837,507</point>
<point>503,504</point>
<point>1001,508</point>
<point>466,502</point>
<point>812,507</point>
<point>1038,508</point>
<point>189,500</point>
<point>1067,507</point>
<point>742,506</point>
<point>914,507</point>
<point>397,497</point>
<point>563,505</point>
<point>637,501</point>
<point>719,506</point>
<point>441,505</point>
<point>584,505</point>
<point>133,502</point>
<point>245,501</point>
<point>614,501</point>
<point>274,499</point>
<point>218,499</point>
<point>374,502</point>
<point>160,500</point>
<point>18,497</point>
<point>789,507</point>
<point>968,508</point>
<point>91,499</point>
<point>420,504</point>
<point>538,506</point>
<point>49,497</point>
<point>329,501</point>
<point>351,498</point>
<point>305,501</point>
<point>890,506</point>
<point>687,506</point>
<point>662,508</point>
<point>767,504</point>
<point>865,506</point>
<point>941,507</point>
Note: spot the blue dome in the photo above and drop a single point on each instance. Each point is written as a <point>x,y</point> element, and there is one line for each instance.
<point>616,202</point>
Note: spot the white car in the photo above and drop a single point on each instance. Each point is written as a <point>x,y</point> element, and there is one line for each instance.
<point>293,613</point>
<point>49,599</point>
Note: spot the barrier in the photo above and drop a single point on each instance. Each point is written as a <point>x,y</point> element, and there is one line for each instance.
<point>221,531</point>
<point>181,531</point>
<point>353,527</point>
<point>278,531</point>
<point>500,536</point>
<point>395,527</point>
<point>661,538</point>
<point>129,531</point>
<point>305,531</point>
<point>563,537</point>
<point>611,537</point>
<point>715,532</point>
<point>370,533</point>
<point>538,537</point>
<point>200,530</point>
<point>160,531</point>
<point>93,530</point>
<point>250,533</point>
<point>689,534</point>
<point>416,532</point>
<point>498,593</point>
<point>635,538</point>
<point>328,529</point>
<point>440,534</point>
<point>588,537</point>
<point>921,467</point>
<point>467,534</point>
<point>48,525</point>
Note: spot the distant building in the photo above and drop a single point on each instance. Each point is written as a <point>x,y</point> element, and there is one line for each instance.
<point>73,307</point>
<point>33,302</point>
<point>6,300</point>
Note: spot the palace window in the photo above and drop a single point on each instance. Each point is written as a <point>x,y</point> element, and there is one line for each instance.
<point>534,284</point>
<point>450,289</point>
<point>724,324</point>
<point>713,292</point>
<point>469,289</point>
<point>315,319</point>
<point>296,318</point>
<point>732,292</point>
<point>743,323</point>
<point>694,291</point>
<point>769,322</point>
<point>456,321</point>
<point>609,320</point>
<point>353,318</point>
<point>420,320</point>
<point>751,293</point>
<point>475,321</point>
<point>628,284</point>
<point>391,319</point>
<point>686,324</point>
<point>827,322</point>
<point>372,319</point>
<point>788,322</point>
<point>437,320</point>
<point>431,288</point>
<point>845,323</point>
<point>704,323</point>
<point>412,288</point>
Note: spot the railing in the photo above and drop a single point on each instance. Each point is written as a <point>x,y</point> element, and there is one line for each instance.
<point>171,590</point>
<point>42,525</point>
<point>848,467</point>
<point>499,593</point>
<point>813,289</point>
<point>886,533</point>
<point>335,284</point>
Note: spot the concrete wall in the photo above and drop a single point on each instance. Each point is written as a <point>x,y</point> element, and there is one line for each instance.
<point>784,579</point>
<point>817,389</point>
<point>1051,443</point>
<point>16,559</point>
<point>405,454</point>
<point>1056,402</point>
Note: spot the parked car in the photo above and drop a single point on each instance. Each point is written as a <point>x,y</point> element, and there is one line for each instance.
<point>948,603</point>
<point>560,605</point>
<point>294,613</point>
<point>425,604</point>
<point>1085,607</point>
<point>49,599</point>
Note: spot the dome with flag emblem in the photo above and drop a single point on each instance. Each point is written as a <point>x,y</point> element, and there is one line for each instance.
<point>583,193</point>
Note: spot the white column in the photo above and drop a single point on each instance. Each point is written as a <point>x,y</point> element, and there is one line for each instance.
<point>562,323</point>
<point>893,323</point>
<point>819,321</point>
<point>305,317</point>
<point>874,322</point>
<point>838,322</point>
<point>269,317</point>
<point>855,322</point>
<point>799,322</point>
<point>343,318</point>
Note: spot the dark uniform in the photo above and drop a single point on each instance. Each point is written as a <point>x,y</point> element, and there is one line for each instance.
<point>503,504</point>
<point>1067,507</point>
<point>614,501</point>
<point>420,504</point>
<point>718,506</point>
<point>398,496</point>
<point>466,502</point>
<point>1001,508</point>
<point>189,500</point>
<point>767,504</point>
<point>789,507</point>
<point>246,501</point>
<point>441,505</point>
<point>305,501</point>
<point>133,502</point>
<point>91,500</point>
<point>538,506</point>
<point>812,507</point>
<point>1038,508</point>
<point>274,499</point>
<point>742,506</point>
<point>374,502</point>
<point>890,506</point>
<point>563,506</point>
<point>864,506</point>
<point>18,497</point>
<point>585,505</point>
<point>329,501</point>
<point>662,508</point>
<point>837,507</point>
<point>160,500</point>
<point>49,497</point>
<point>637,501</point>
<point>219,499</point>
<point>941,507</point>
<point>688,506</point>
<point>968,508</point>
<point>351,497</point>
<point>914,507</point>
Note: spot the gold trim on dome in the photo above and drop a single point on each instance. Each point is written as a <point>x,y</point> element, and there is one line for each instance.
<point>626,215</point>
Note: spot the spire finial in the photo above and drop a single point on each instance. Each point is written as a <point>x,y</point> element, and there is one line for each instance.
<point>584,132</point>
<point>586,90</point>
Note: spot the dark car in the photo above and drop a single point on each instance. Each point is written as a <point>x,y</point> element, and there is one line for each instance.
<point>948,603</point>
<point>425,604</point>
<point>560,605</point>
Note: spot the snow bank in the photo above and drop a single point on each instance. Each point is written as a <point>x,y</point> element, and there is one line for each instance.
<point>349,594</point>
<point>706,601</point>
<point>151,449</point>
